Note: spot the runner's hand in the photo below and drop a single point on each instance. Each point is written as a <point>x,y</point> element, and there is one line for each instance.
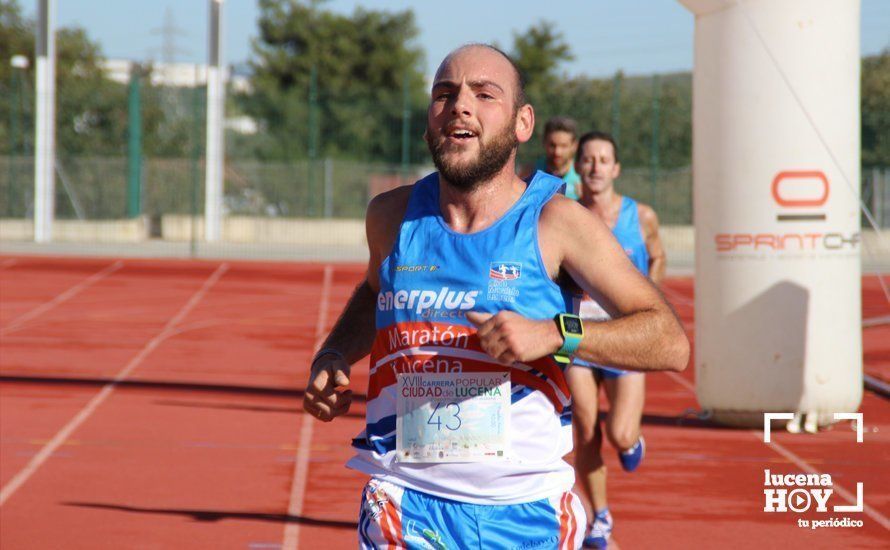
<point>327,396</point>
<point>509,337</point>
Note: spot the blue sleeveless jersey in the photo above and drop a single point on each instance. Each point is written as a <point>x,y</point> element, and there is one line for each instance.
<point>629,234</point>
<point>571,178</point>
<point>432,277</point>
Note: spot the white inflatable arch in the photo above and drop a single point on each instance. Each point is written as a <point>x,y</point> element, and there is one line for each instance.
<point>776,207</point>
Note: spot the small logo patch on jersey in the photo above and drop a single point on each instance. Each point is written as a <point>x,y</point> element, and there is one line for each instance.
<point>504,271</point>
<point>500,281</point>
<point>416,268</point>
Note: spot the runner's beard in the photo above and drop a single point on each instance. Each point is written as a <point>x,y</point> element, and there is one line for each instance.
<point>492,157</point>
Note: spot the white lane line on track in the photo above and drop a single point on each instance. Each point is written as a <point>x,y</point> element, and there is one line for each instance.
<point>800,463</point>
<point>59,439</point>
<point>682,381</point>
<point>876,321</point>
<point>677,297</point>
<point>61,298</point>
<point>301,464</point>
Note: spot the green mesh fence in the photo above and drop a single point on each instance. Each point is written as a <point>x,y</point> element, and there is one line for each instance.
<point>322,157</point>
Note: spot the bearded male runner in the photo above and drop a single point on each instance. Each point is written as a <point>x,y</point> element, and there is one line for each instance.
<point>466,310</point>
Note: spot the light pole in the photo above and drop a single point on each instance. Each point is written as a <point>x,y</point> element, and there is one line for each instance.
<point>19,64</point>
<point>216,114</point>
<point>45,121</point>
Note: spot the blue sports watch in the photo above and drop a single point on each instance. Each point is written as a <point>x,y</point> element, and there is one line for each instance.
<point>572,330</point>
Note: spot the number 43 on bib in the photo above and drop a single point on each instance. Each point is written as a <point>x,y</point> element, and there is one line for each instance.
<point>452,417</point>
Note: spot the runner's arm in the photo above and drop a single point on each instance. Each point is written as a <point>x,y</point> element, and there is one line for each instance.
<point>647,335</point>
<point>657,255</point>
<point>353,334</point>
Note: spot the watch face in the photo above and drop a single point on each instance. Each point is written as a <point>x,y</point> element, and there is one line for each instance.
<point>572,325</point>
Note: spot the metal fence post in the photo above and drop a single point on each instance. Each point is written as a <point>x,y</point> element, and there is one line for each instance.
<point>878,181</point>
<point>313,138</point>
<point>328,188</point>
<point>406,123</point>
<point>13,139</point>
<point>196,156</point>
<point>134,146</point>
<point>616,108</point>
<point>21,64</point>
<point>655,148</point>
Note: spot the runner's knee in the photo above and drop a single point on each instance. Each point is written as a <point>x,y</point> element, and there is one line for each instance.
<point>585,425</point>
<point>623,437</point>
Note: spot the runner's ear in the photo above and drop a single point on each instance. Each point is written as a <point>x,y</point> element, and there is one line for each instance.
<point>525,123</point>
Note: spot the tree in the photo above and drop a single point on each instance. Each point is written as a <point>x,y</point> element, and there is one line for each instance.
<point>91,114</point>
<point>16,36</point>
<point>90,109</point>
<point>330,84</point>
<point>538,52</point>
<point>876,110</point>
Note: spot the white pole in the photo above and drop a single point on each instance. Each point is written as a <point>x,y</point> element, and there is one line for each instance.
<point>45,124</point>
<point>216,101</point>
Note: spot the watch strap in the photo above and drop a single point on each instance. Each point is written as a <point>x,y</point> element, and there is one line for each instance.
<point>570,340</point>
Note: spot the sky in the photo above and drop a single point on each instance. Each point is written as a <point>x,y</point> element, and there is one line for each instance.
<point>635,36</point>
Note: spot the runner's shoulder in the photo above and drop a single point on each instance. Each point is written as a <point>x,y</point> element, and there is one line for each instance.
<point>389,205</point>
<point>648,217</point>
<point>385,213</point>
<point>563,214</point>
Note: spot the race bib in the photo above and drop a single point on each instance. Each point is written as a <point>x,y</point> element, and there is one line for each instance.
<point>591,310</point>
<point>452,417</point>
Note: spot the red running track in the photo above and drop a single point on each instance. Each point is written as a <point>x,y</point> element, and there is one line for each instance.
<point>156,404</point>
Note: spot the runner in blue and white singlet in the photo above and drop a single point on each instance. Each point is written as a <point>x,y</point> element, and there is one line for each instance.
<point>468,414</point>
<point>432,277</point>
<point>598,166</point>
<point>425,291</point>
<point>629,234</point>
<point>560,140</point>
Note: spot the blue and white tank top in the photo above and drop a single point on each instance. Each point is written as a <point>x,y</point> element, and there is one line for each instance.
<point>432,277</point>
<point>630,236</point>
<point>571,178</point>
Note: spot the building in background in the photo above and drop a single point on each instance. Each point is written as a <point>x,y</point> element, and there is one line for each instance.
<point>188,75</point>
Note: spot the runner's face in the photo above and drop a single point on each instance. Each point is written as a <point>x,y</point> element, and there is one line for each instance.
<point>472,120</point>
<point>597,167</point>
<point>560,149</point>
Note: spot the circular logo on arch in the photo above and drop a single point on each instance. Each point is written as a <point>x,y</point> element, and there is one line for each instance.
<point>794,190</point>
<point>800,189</point>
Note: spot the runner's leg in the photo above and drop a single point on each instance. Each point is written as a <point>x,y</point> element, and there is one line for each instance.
<point>627,395</point>
<point>589,467</point>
